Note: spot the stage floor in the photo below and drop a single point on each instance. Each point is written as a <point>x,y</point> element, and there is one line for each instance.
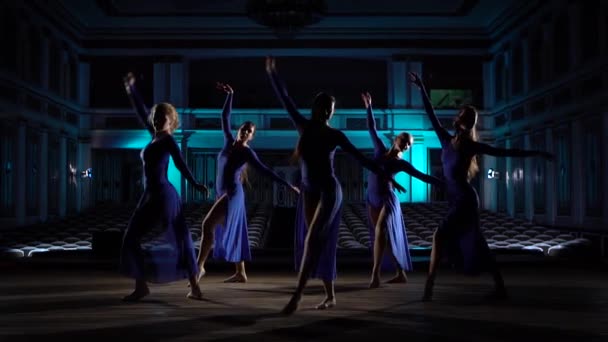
<point>552,303</point>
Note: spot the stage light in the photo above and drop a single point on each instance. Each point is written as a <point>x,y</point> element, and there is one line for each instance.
<point>493,174</point>
<point>88,173</point>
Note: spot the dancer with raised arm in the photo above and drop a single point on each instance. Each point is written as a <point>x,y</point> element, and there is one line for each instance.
<point>227,218</point>
<point>386,223</point>
<point>159,204</point>
<point>318,212</point>
<point>460,236</point>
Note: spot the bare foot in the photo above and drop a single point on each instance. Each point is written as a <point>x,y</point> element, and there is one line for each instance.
<point>201,274</point>
<point>292,306</point>
<point>195,293</point>
<point>237,278</point>
<point>326,304</point>
<point>137,295</point>
<point>400,278</point>
<point>375,283</point>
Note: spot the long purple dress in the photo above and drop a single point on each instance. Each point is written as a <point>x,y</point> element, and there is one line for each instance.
<point>380,193</point>
<point>466,247</point>
<point>160,204</point>
<point>231,238</point>
<point>317,146</point>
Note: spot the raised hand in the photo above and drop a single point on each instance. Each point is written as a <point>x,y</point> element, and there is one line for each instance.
<point>295,189</point>
<point>367,99</point>
<point>129,79</point>
<point>270,65</point>
<point>225,87</point>
<point>415,78</point>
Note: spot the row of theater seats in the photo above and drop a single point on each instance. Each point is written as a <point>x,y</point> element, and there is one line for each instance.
<point>76,233</point>
<point>501,231</point>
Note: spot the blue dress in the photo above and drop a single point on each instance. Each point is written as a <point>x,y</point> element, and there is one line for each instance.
<point>317,146</point>
<point>380,193</point>
<point>160,205</point>
<point>460,231</point>
<point>231,238</point>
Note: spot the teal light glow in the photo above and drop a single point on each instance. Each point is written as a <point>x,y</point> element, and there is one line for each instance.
<point>139,142</point>
<point>404,179</point>
<point>175,177</point>
<point>419,189</point>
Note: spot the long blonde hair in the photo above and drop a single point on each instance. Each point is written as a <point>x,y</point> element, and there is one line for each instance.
<point>465,125</point>
<point>165,109</point>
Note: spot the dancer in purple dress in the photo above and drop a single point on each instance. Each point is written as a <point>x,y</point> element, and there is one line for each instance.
<point>318,212</point>
<point>386,222</point>
<point>159,205</point>
<point>227,218</point>
<point>460,236</point>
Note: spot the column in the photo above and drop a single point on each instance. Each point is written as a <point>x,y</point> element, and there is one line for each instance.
<point>508,74</point>
<point>44,59</point>
<point>19,168</point>
<point>489,186</point>
<point>578,197</point>
<point>550,200</point>
<point>397,83</point>
<point>63,174</point>
<point>177,84</point>
<point>528,179</point>
<point>525,60</point>
<point>43,174</point>
<point>184,148</point>
<point>489,96</point>
<point>84,82</point>
<point>161,82</point>
<point>64,75</point>
<point>509,180</point>
<point>84,161</point>
<point>414,99</point>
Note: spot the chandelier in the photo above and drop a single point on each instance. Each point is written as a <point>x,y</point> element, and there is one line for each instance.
<point>286,17</point>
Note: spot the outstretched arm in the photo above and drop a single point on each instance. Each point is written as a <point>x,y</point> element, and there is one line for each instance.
<point>253,159</point>
<point>137,102</point>
<point>441,132</point>
<point>412,171</point>
<point>481,148</point>
<point>180,164</point>
<point>281,91</point>
<point>226,111</point>
<point>369,164</point>
<point>371,124</point>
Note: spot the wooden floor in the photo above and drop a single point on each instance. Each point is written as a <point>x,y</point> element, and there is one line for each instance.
<point>555,303</point>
